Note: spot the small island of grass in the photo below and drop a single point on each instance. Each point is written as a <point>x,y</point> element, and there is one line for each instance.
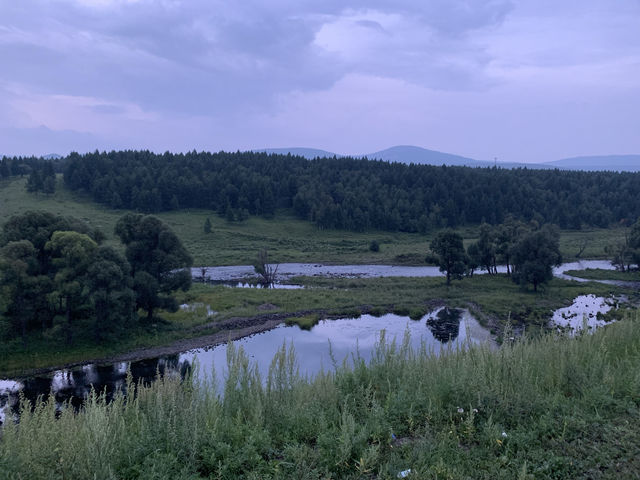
<point>602,274</point>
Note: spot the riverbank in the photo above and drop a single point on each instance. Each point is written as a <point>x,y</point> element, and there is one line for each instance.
<point>220,332</point>
<point>493,299</point>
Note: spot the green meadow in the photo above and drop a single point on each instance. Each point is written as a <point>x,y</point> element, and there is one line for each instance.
<point>600,274</point>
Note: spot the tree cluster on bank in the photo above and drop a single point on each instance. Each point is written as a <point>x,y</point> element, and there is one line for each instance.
<point>56,278</point>
<point>528,251</point>
<point>353,194</point>
<point>625,254</point>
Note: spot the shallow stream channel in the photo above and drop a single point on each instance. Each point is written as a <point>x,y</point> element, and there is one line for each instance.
<point>244,276</point>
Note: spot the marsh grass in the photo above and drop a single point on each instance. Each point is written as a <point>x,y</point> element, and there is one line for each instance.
<point>305,322</point>
<point>551,407</point>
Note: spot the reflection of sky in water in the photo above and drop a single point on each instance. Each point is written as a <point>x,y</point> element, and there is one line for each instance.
<point>7,387</point>
<point>584,307</point>
<point>341,337</point>
<point>344,338</point>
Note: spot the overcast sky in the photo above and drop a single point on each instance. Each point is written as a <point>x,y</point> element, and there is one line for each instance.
<point>530,80</point>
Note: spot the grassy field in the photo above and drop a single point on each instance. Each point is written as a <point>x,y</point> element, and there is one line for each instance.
<point>547,408</point>
<point>493,299</point>
<point>286,238</point>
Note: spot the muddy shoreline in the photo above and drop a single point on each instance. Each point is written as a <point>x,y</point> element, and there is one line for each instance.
<point>233,328</point>
<point>227,330</point>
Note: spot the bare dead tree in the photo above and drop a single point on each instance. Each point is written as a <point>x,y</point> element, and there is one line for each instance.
<point>582,246</point>
<point>620,254</point>
<point>263,268</point>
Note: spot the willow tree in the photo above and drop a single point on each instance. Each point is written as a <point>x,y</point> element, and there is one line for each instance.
<point>160,263</point>
<point>449,250</point>
<point>534,256</point>
<point>72,254</point>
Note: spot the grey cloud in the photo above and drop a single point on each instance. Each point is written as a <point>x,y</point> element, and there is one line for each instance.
<point>202,56</point>
<point>371,24</point>
<point>107,109</point>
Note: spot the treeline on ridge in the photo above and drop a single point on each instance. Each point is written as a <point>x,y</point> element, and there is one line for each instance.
<point>41,172</point>
<point>353,194</point>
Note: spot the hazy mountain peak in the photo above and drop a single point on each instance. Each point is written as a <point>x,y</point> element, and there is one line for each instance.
<point>629,163</point>
<point>419,155</point>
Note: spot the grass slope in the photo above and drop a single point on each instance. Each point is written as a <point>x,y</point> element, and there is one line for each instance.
<point>549,408</point>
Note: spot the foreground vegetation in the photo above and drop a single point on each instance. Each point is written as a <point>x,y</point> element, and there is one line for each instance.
<point>545,408</point>
<point>493,300</point>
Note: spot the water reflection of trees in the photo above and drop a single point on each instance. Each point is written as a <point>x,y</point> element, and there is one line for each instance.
<point>445,325</point>
<point>72,387</point>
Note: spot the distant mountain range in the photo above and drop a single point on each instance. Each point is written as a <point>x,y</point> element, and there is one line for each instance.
<point>423,156</point>
<point>419,155</point>
<point>630,163</point>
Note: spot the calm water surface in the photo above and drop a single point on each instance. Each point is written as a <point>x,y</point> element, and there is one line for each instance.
<point>443,328</point>
<point>315,350</point>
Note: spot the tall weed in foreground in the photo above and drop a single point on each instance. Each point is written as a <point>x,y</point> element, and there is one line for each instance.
<point>552,407</point>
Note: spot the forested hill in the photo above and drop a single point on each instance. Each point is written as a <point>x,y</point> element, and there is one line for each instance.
<point>352,193</point>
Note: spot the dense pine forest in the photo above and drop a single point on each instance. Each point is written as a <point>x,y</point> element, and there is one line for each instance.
<point>344,193</point>
<point>349,193</point>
